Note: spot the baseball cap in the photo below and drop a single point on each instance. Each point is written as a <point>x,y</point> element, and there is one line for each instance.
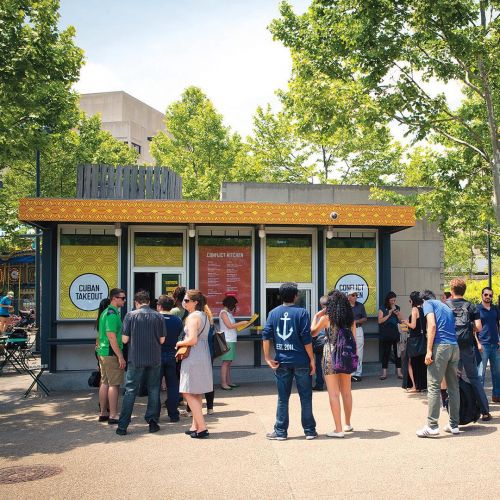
<point>10,294</point>
<point>351,291</point>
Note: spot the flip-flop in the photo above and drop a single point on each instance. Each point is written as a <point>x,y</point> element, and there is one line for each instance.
<point>383,378</point>
<point>233,385</point>
<point>226,388</point>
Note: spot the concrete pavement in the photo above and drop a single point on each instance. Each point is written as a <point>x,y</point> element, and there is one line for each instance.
<point>382,459</point>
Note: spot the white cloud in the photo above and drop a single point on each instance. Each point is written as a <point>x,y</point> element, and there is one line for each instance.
<point>95,77</point>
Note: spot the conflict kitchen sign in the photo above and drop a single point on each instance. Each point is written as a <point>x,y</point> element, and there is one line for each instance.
<point>226,270</point>
<point>87,291</point>
<point>356,282</point>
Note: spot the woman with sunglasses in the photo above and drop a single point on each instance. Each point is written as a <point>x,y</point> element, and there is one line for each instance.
<point>196,370</point>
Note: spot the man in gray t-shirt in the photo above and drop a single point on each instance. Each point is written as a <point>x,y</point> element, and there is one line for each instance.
<point>144,331</point>
<point>359,312</point>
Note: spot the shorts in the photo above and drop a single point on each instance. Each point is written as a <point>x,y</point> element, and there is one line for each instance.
<point>231,354</point>
<point>111,373</point>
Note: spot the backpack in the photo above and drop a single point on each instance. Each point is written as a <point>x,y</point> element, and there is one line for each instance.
<point>463,323</point>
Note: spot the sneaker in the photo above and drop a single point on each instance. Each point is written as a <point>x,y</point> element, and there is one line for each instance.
<point>274,437</point>
<point>348,428</point>
<point>121,432</point>
<point>153,426</point>
<point>174,419</point>
<point>334,434</point>
<point>427,432</point>
<point>210,411</point>
<point>317,388</point>
<point>185,413</point>
<point>311,436</point>
<point>486,417</point>
<point>200,435</point>
<point>451,430</point>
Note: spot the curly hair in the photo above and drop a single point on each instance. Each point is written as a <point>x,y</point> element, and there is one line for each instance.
<point>339,310</point>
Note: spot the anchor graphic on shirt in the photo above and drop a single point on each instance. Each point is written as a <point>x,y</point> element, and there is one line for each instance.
<point>285,335</point>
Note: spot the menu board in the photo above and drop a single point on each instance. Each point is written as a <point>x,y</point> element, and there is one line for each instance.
<point>226,270</point>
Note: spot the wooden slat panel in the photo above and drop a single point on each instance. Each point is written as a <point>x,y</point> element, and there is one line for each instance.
<point>126,184</point>
<point>111,182</point>
<point>133,183</point>
<point>118,182</point>
<point>102,188</point>
<point>87,181</point>
<point>80,173</point>
<point>164,183</point>
<point>156,182</point>
<point>141,177</point>
<point>95,181</point>
<point>149,183</point>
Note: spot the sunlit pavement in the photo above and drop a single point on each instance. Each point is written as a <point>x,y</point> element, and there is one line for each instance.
<point>382,458</point>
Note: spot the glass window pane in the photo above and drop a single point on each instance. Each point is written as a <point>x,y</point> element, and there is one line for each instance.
<point>158,250</point>
<point>289,258</point>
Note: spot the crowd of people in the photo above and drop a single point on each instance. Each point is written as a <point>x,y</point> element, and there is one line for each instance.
<point>439,342</point>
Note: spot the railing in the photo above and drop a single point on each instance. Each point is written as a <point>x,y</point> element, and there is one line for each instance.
<point>127,183</point>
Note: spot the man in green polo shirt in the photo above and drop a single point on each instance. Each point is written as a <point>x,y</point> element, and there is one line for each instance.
<point>109,351</point>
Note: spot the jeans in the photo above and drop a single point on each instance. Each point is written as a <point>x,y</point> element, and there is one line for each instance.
<point>320,381</point>
<point>444,364</point>
<point>284,378</point>
<point>132,382</point>
<point>491,353</point>
<point>469,364</point>
<point>169,371</point>
<point>360,343</point>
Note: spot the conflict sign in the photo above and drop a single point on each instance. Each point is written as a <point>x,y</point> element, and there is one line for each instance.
<point>356,282</point>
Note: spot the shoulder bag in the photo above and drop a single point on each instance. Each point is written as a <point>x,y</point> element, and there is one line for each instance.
<point>183,351</point>
<point>417,346</point>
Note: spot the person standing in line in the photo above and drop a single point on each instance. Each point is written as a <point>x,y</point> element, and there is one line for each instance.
<point>109,351</point>
<point>103,412</point>
<point>445,296</point>
<point>318,343</point>
<point>467,324</point>
<point>173,328</point>
<point>178,309</point>
<point>490,341</point>
<point>228,325</point>
<point>196,370</point>
<point>338,314</point>
<point>442,361</point>
<point>5,310</point>
<point>388,319</point>
<point>144,331</point>
<point>288,325</point>
<point>359,312</point>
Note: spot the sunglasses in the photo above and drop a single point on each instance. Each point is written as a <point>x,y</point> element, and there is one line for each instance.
<point>120,297</point>
<point>487,295</point>
<point>188,300</point>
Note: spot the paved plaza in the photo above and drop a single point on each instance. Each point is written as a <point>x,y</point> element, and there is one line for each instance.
<point>382,459</point>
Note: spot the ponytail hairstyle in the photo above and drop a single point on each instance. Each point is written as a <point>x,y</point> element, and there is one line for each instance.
<point>102,305</point>
<point>209,314</point>
<point>339,310</point>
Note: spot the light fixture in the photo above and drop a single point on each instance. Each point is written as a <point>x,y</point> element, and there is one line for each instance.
<point>118,230</point>
<point>262,231</point>
<point>192,231</point>
<point>329,232</point>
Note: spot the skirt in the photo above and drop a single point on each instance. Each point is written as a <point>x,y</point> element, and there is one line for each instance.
<point>231,354</point>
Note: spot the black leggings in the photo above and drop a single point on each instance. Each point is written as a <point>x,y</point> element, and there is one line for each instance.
<point>386,346</point>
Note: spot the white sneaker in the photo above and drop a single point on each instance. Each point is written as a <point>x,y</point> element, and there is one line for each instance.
<point>452,430</point>
<point>427,432</point>
<point>210,411</point>
<point>348,428</point>
<point>334,434</point>
<point>185,413</point>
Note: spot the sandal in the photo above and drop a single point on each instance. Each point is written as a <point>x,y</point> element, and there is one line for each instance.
<point>382,377</point>
<point>226,388</point>
<point>233,385</point>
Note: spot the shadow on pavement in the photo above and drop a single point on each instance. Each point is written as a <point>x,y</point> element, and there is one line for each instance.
<point>230,434</point>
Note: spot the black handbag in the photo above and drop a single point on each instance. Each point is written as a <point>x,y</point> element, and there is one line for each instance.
<point>95,379</point>
<point>417,346</point>
<point>220,344</point>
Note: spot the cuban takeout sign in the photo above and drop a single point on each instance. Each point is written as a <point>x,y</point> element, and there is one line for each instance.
<point>354,281</point>
<point>87,291</point>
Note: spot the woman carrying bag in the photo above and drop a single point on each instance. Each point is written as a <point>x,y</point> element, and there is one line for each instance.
<point>388,319</point>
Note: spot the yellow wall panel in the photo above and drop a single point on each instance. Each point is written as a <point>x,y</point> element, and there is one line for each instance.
<point>289,264</point>
<point>156,256</point>
<point>81,259</point>
<point>361,261</point>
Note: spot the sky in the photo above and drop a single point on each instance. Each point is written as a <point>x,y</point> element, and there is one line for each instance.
<point>154,49</point>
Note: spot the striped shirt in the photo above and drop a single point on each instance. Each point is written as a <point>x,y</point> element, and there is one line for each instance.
<point>145,328</point>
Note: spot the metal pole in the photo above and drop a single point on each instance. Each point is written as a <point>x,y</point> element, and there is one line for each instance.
<point>37,258</point>
<point>488,242</point>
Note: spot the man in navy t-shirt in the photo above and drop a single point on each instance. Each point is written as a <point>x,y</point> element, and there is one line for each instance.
<point>489,340</point>
<point>289,327</point>
<point>442,361</point>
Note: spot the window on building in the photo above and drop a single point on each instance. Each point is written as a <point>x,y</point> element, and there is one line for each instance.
<point>289,258</point>
<point>158,250</point>
<point>137,147</point>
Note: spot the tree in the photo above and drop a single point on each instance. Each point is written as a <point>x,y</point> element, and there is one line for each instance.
<point>38,65</point>
<point>59,159</point>
<point>197,145</point>
<point>394,49</point>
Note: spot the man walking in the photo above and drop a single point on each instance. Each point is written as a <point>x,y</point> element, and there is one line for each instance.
<point>289,327</point>
<point>5,310</point>
<point>467,323</point>
<point>173,327</point>
<point>489,340</point>
<point>144,331</point>
<point>442,361</point>
<point>359,312</point>
<point>109,352</point>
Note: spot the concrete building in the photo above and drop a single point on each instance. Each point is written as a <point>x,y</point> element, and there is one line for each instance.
<point>126,118</point>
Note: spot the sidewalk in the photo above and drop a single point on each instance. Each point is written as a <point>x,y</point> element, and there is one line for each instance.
<point>382,459</point>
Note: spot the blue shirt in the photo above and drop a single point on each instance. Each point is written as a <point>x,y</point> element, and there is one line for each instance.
<point>445,321</point>
<point>290,329</point>
<point>5,301</point>
<point>489,320</point>
<point>174,327</point>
